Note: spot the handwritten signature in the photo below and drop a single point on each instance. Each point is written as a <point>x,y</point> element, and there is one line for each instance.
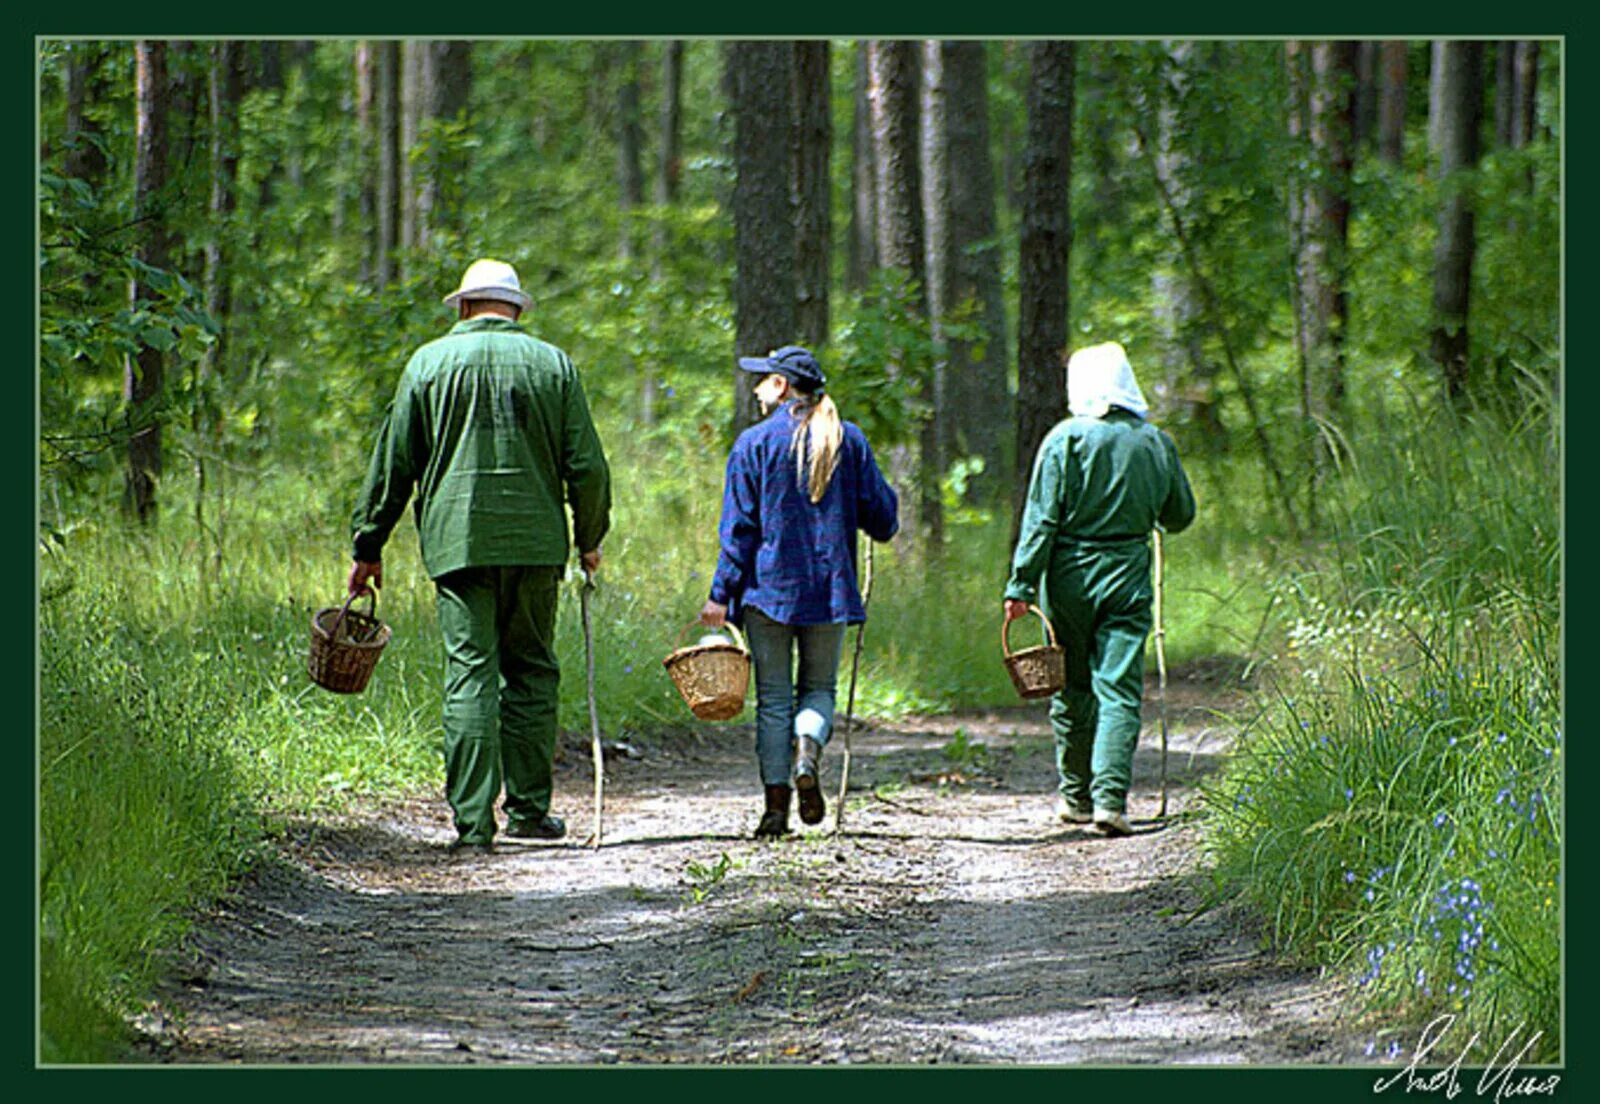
<point>1503,1081</point>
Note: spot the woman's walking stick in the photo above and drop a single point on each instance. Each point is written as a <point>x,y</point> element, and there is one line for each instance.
<point>594,714</point>
<point>1161,668</point>
<point>850,702</point>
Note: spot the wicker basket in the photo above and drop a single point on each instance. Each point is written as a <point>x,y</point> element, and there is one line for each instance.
<point>712,678</point>
<point>346,644</point>
<point>1035,672</point>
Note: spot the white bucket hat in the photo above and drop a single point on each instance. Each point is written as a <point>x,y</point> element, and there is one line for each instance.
<point>1100,377</point>
<point>489,279</point>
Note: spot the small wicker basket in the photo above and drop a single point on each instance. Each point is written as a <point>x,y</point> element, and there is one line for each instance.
<point>1035,672</point>
<point>713,678</point>
<point>346,644</point>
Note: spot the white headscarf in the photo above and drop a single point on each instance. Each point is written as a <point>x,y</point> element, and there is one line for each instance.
<point>1100,377</point>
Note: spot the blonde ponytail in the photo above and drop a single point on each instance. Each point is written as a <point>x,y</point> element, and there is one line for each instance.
<point>820,433</point>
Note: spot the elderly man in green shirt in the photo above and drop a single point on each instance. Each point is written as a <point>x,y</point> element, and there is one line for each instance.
<point>1102,480</point>
<point>490,427</point>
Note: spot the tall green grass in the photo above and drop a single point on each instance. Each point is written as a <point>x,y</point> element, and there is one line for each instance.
<point>1395,808</point>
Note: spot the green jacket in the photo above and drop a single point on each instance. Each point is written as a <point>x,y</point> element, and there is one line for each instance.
<point>490,427</point>
<point>1099,485</point>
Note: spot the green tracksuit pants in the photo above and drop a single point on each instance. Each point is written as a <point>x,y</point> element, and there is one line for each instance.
<point>500,698</point>
<point>1098,600</point>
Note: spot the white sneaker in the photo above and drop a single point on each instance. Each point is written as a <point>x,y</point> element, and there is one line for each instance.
<point>1112,823</point>
<point>1069,813</point>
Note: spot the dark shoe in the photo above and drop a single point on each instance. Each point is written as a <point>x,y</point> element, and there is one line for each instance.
<point>775,821</point>
<point>546,827</point>
<point>463,849</point>
<point>812,807</point>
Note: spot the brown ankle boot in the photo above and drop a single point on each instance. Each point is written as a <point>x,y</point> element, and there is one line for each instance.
<point>775,821</point>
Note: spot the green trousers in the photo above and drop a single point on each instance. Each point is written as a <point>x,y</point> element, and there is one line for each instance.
<point>500,695</point>
<point>1098,600</point>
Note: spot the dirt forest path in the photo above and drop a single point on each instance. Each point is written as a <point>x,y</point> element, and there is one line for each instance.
<point>953,921</point>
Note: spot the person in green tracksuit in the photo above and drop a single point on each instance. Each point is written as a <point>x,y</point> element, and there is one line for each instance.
<point>490,427</point>
<point>1102,480</point>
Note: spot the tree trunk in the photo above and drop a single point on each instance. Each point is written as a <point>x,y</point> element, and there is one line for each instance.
<point>895,101</point>
<point>934,169</point>
<point>669,169</point>
<point>1457,112</point>
<point>630,177</point>
<point>813,143</point>
<point>1046,240</point>
<point>763,224</point>
<point>367,157</point>
<point>416,92</point>
<point>862,256</point>
<point>1525,77</point>
<point>1505,63</point>
<point>226,90</point>
<point>1322,241</point>
<point>441,202</point>
<point>1392,103</point>
<point>143,372</point>
<point>980,400</point>
<point>85,157</point>
<point>387,86</point>
<point>269,78</point>
<point>1190,379</point>
<point>1364,115</point>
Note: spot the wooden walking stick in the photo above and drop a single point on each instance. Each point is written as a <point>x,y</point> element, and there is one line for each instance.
<point>850,701</point>
<point>1161,668</point>
<point>594,714</point>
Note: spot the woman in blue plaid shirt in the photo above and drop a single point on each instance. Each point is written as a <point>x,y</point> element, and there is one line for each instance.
<point>799,484</point>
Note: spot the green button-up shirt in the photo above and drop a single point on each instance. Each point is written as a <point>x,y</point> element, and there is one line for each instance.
<point>1098,486</point>
<point>491,428</point>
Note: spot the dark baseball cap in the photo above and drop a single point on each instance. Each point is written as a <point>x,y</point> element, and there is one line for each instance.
<point>792,361</point>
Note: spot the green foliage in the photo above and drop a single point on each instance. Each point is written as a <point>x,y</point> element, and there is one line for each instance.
<point>1396,810</point>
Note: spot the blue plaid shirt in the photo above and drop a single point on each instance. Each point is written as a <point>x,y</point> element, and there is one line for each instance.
<point>792,559</point>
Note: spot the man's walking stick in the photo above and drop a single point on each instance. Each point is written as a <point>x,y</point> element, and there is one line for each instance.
<point>1161,667</point>
<point>594,715</point>
<point>850,703</point>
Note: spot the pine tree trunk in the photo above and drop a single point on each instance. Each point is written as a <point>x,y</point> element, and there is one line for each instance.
<point>630,176</point>
<point>416,92</point>
<point>934,169</point>
<point>813,142</point>
<point>758,73</point>
<point>980,411</point>
<point>1046,240</point>
<point>1525,75</point>
<point>1392,102</point>
<point>895,101</point>
<point>862,256</point>
<point>442,202</point>
<point>386,73</point>
<point>143,372</point>
<point>669,168</point>
<point>226,90</point>
<point>367,157</point>
<point>1505,64</point>
<point>85,159</point>
<point>1457,111</point>
<point>1364,116</point>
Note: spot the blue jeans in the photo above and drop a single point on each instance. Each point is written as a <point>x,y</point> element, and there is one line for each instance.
<point>789,703</point>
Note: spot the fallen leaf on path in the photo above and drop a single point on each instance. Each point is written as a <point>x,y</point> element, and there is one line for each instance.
<point>750,987</point>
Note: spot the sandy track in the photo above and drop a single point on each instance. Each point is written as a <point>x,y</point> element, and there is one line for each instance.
<point>953,921</point>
